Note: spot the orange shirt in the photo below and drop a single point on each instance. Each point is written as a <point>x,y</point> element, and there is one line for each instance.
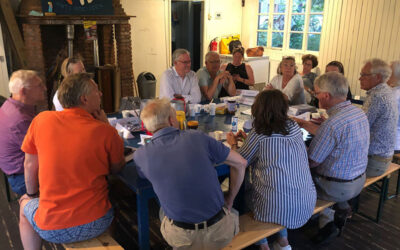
<point>75,152</point>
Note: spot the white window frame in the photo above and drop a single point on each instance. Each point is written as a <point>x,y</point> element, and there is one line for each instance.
<point>286,31</point>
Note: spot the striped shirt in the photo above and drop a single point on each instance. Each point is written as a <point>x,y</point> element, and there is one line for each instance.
<point>282,190</point>
<point>381,109</point>
<point>340,145</point>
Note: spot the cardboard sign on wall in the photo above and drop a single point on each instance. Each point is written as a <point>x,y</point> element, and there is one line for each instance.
<point>78,7</point>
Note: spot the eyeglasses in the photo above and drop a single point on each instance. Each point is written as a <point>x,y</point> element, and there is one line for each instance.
<point>363,74</point>
<point>215,62</point>
<point>185,62</point>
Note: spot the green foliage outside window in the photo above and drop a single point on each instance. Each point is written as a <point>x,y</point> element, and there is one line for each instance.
<point>313,42</point>
<point>272,21</point>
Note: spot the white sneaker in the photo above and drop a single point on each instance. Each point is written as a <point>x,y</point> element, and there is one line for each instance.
<point>276,246</point>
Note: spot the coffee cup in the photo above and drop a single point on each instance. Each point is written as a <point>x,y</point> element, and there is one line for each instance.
<point>126,113</point>
<point>213,106</point>
<point>192,124</point>
<point>197,108</point>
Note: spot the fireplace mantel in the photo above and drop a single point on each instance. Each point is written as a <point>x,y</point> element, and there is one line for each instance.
<point>73,19</point>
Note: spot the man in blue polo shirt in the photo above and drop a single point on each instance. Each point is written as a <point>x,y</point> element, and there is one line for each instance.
<point>338,153</point>
<point>180,166</point>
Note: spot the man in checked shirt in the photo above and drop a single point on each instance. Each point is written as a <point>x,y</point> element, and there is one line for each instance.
<point>338,153</point>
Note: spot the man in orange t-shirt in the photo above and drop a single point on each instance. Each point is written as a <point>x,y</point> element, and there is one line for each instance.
<point>68,155</point>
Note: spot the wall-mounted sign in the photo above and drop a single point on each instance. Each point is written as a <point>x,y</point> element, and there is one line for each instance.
<point>78,7</point>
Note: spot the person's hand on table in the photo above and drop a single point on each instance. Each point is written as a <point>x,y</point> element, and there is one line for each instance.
<point>223,76</point>
<point>236,77</point>
<point>311,127</point>
<point>178,96</point>
<point>231,139</point>
<point>241,135</point>
<point>268,86</point>
<point>100,115</point>
<point>318,121</point>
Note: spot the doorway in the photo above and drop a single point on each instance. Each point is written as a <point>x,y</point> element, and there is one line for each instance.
<point>187,28</point>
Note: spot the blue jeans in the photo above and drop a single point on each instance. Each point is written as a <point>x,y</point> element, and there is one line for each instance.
<point>71,234</point>
<point>17,183</point>
<point>281,234</point>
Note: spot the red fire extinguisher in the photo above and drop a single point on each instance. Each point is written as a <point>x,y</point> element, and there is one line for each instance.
<point>214,45</point>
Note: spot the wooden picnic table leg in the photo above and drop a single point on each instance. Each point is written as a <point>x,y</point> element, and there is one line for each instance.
<point>398,182</point>
<point>142,201</point>
<point>7,187</point>
<point>382,196</point>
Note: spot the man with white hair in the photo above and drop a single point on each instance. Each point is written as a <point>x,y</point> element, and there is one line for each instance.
<point>338,152</point>
<point>16,115</point>
<point>212,80</point>
<point>394,82</point>
<point>180,166</point>
<point>179,81</point>
<point>381,109</point>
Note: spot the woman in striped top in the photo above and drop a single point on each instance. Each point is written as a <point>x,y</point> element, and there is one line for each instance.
<point>282,190</point>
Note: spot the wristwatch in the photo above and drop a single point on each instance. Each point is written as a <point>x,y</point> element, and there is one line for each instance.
<point>35,195</point>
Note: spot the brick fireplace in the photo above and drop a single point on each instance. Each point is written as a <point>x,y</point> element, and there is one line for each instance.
<point>45,39</point>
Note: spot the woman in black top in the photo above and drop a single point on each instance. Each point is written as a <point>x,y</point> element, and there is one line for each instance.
<point>338,67</point>
<point>242,73</point>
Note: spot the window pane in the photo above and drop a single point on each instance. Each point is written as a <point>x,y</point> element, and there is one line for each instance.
<point>299,6</point>
<point>317,5</point>
<point>279,22</point>
<point>279,6</point>
<point>297,23</point>
<point>277,39</point>
<point>262,22</point>
<point>262,38</point>
<point>296,41</point>
<point>315,23</point>
<point>263,6</point>
<point>313,42</point>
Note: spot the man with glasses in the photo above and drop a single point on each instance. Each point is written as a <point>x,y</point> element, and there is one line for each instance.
<point>337,153</point>
<point>381,109</point>
<point>211,79</point>
<point>179,81</point>
<point>16,115</point>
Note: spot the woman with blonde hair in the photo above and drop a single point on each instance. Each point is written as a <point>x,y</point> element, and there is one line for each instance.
<point>288,81</point>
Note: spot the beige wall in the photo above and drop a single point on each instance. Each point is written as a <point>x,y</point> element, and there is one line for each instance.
<point>150,37</point>
<point>355,30</point>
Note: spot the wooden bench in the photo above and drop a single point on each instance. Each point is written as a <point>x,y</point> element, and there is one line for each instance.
<point>383,189</point>
<point>104,241</point>
<point>252,231</point>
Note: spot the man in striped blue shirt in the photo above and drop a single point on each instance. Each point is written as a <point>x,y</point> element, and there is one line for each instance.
<point>338,152</point>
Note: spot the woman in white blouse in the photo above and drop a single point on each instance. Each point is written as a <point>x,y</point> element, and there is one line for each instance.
<point>288,81</point>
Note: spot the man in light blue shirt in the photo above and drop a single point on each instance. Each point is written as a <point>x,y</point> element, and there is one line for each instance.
<point>381,109</point>
<point>338,152</point>
<point>211,79</point>
<point>179,81</point>
<point>180,166</point>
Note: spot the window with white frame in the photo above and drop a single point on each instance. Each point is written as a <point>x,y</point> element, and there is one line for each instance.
<point>290,24</point>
